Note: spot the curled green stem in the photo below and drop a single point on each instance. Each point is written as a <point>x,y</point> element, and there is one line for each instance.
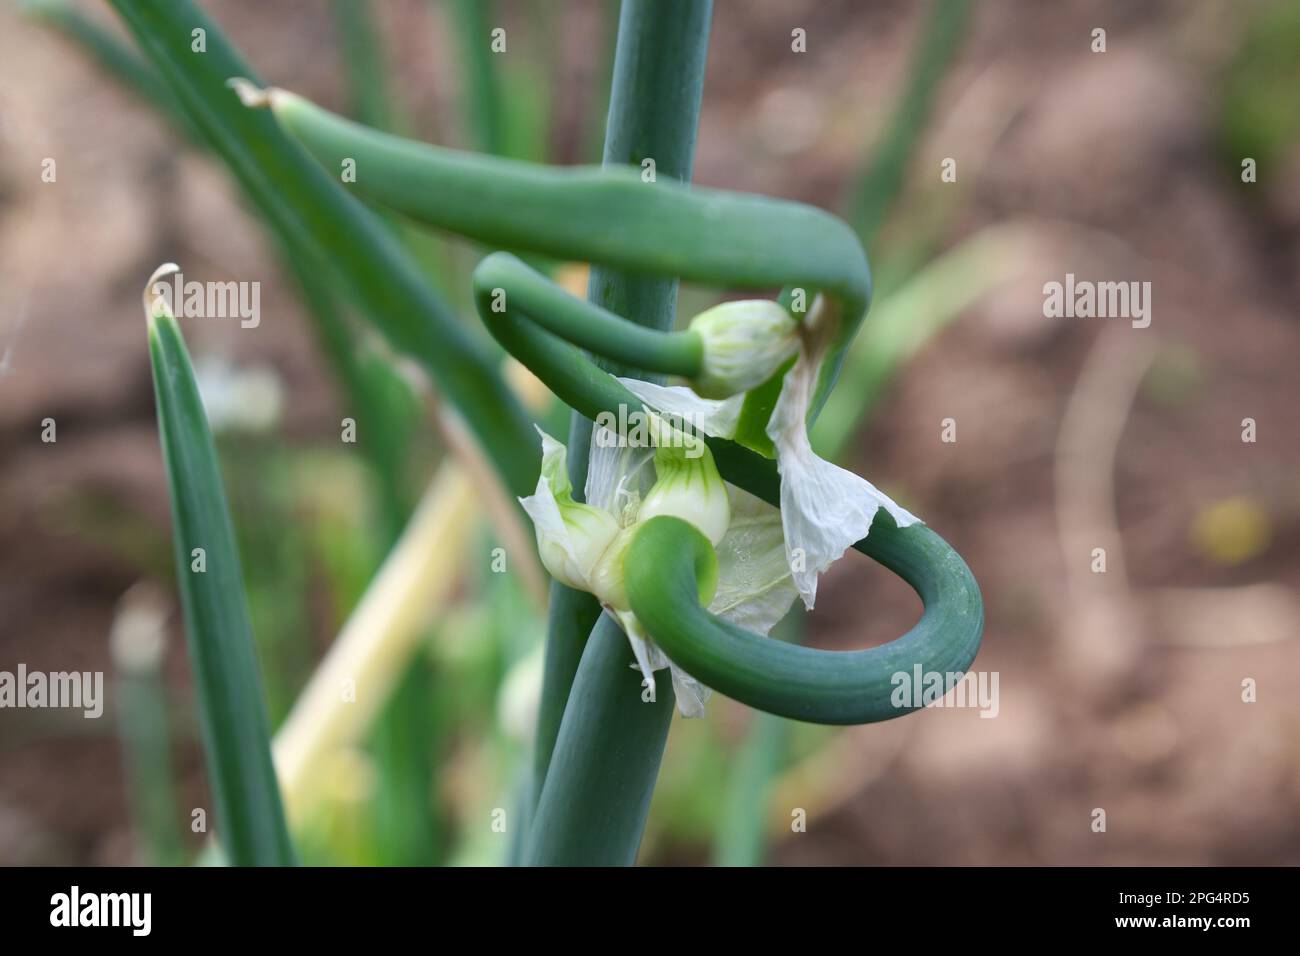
<point>668,556</point>
<point>618,219</point>
<point>503,280</point>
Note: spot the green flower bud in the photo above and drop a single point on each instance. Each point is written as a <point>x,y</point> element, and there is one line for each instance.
<point>744,345</point>
<point>689,487</point>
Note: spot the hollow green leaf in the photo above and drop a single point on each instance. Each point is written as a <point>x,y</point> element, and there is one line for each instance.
<point>249,816</point>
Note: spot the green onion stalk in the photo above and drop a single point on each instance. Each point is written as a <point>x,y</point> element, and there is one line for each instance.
<point>696,517</point>
<point>635,225</point>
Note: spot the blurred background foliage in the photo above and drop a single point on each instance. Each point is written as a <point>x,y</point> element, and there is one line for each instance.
<point>860,127</point>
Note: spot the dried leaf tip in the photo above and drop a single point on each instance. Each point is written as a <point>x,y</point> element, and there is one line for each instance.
<point>155,301</point>
<point>250,94</point>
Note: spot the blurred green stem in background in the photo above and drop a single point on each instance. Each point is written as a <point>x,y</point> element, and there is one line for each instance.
<point>408,731</point>
<point>373,393</point>
<point>480,85</point>
<point>891,157</point>
<point>363,57</point>
<point>119,60</point>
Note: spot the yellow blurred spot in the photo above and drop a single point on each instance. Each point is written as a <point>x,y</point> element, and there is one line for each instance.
<point>1231,531</point>
<point>572,277</point>
<point>526,385</point>
<point>349,776</point>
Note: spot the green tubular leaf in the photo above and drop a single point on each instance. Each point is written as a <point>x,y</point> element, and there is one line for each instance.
<point>306,203</point>
<point>605,215</point>
<point>826,687</point>
<point>249,815</point>
<point>583,323</point>
<point>594,214</point>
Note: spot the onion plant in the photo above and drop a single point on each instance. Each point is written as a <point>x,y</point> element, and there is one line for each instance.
<point>684,512</point>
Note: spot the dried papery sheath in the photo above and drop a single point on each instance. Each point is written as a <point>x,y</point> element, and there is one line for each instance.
<point>691,695</point>
<point>744,344</point>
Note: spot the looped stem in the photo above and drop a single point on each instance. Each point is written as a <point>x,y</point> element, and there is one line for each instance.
<point>825,687</point>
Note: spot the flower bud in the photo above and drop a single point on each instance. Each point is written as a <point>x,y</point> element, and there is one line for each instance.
<point>744,345</point>
<point>689,487</point>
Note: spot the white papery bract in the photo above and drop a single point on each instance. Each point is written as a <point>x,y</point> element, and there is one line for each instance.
<point>824,508</point>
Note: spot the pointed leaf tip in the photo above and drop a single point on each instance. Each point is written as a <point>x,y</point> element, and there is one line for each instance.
<point>155,304</point>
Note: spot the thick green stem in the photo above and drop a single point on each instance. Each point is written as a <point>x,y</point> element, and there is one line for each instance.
<point>606,760</point>
<point>654,109</point>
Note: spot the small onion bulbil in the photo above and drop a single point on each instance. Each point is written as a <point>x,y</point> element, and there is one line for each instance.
<point>689,487</point>
<point>571,538</point>
<point>607,576</point>
<point>744,344</point>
